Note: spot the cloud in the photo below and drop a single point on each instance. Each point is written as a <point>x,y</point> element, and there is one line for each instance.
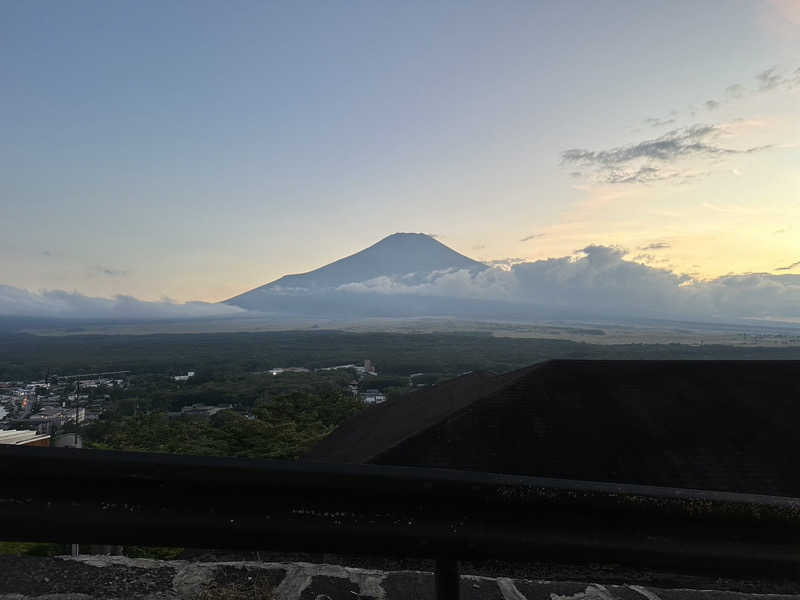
<point>789,267</point>
<point>505,263</point>
<point>644,161</point>
<point>600,280</point>
<point>678,143</point>
<point>616,165</point>
<point>737,90</point>
<point>769,79</point>
<point>658,122</point>
<point>647,174</point>
<point>532,236</point>
<point>72,305</point>
<point>656,246</point>
<point>108,271</point>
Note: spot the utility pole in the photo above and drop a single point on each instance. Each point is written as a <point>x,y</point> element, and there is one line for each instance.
<point>77,396</point>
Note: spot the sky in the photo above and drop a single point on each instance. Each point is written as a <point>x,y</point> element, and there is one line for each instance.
<point>194,150</point>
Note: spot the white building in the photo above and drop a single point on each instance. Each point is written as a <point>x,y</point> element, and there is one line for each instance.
<point>373,397</point>
<point>15,437</point>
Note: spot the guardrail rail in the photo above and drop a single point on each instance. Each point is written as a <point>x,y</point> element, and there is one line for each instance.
<point>99,497</point>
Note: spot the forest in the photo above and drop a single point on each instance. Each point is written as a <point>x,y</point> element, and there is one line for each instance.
<point>25,357</point>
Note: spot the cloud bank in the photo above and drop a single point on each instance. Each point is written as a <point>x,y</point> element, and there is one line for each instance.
<point>72,305</point>
<point>601,281</point>
<point>597,281</point>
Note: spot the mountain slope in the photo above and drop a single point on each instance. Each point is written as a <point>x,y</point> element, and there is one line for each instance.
<point>395,255</point>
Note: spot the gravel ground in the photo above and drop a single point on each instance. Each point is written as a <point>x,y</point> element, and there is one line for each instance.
<point>36,576</point>
<point>536,570</point>
<point>121,578</point>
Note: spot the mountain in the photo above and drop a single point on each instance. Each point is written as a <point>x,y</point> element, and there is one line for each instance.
<point>414,257</point>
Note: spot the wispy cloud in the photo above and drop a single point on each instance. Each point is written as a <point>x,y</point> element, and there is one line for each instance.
<point>645,161</point>
<point>658,122</point>
<point>678,143</point>
<point>108,271</point>
<point>737,90</point>
<point>532,236</point>
<point>766,81</point>
<point>769,79</point>
<point>789,267</point>
<point>656,246</point>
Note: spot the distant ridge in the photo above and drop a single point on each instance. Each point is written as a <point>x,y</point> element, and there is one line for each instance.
<point>415,255</point>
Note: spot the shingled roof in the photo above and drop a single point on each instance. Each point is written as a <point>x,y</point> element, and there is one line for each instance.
<point>722,425</point>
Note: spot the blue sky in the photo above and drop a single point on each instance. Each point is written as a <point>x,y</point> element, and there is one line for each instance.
<point>198,149</point>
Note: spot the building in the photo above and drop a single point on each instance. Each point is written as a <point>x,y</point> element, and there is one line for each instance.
<point>373,397</point>
<point>366,369</point>
<point>201,410</point>
<point>57,416</point>
<point>279,370</point>
<point>14,437</point>
<point>716,425</point>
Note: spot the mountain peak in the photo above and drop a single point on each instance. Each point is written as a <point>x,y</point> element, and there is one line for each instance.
<point>397,254</point>
<point>408,235</point>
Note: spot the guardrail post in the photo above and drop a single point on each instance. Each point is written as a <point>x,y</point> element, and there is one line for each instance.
<point>447,579</point>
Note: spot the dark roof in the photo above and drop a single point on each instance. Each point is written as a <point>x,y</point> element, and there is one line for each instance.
<point>723,425</point>
<point>377,428</point>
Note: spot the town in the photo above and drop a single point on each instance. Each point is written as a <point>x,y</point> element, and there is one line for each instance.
<point>53,411</point>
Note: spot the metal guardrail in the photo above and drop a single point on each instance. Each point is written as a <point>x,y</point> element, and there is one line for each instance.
<point>68,495</point>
